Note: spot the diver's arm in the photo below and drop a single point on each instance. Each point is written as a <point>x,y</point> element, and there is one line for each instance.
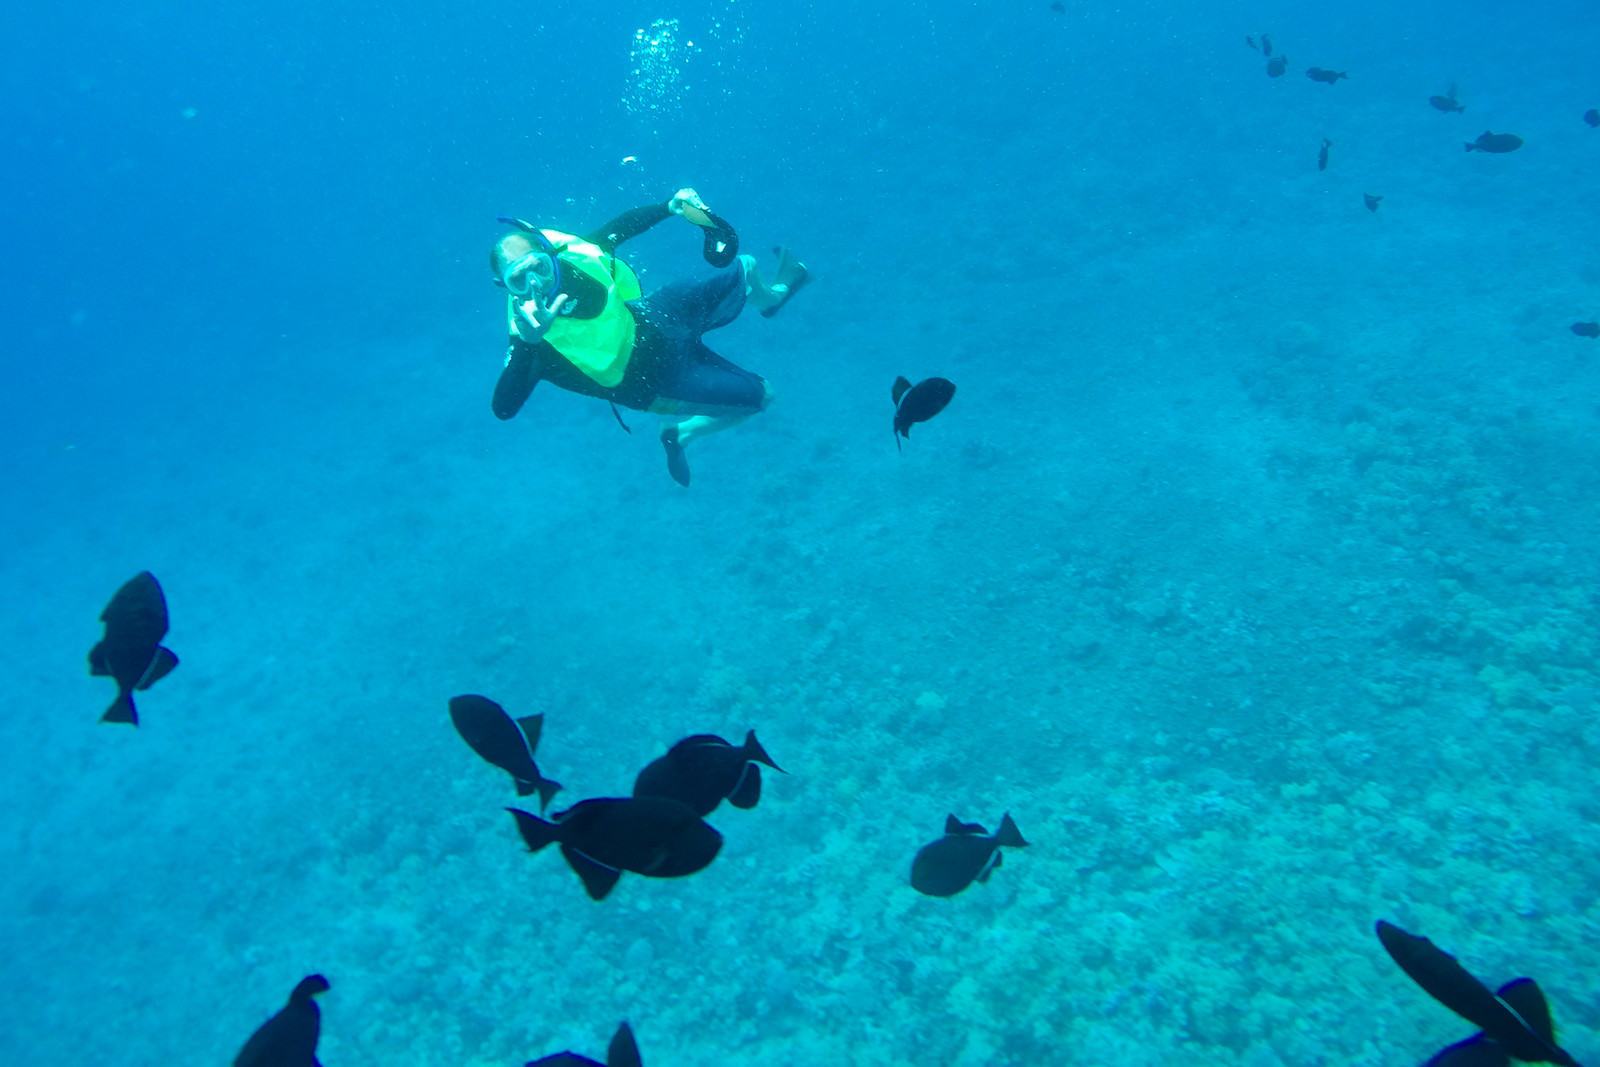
<point>520,375</point>
<point>628,225</point>
<point>721,243</point>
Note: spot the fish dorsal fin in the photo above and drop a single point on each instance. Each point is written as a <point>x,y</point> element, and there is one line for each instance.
<point>1523,996</point>
<point>159,668</point>
<point>1008,834</point>
<point>954,826</point>
<point>308,987</point>
<point>97,661</point>
<point>900,387</point>
<point>598,879</point>
<point>747,794</point>
<point>624,1050</point>
<point>532,726</point>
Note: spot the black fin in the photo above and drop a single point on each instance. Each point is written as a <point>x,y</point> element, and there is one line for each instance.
<point>526,789</point>
<point>532,726</point>
<point>900,387</point>
<point>1479,1050</point>
<point>747,794</point>
<point>990,867</point>
<point>536,833</point>
<point>547,792</point>
<point>97,661</point>
<point>1524,997</point>
<point>122,710</point>
<point>618,415</point>
<point>598,879</point>
<point>754,751</point>
<point>308,987</point>
<point>1008,834</point>
<point>624,1050</point>
<point>159,668</point>
<point>954,826</point>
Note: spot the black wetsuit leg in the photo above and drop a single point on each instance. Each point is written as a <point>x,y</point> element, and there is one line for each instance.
<point>686,377</point>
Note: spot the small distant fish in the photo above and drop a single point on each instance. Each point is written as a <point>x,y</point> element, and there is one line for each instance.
<point>1447,102</point>
<point>918,403</point>
<point>1586,329</point>
<point>289,1038</point>
<point>1494,142</point>
<point>1059,8</point>
<point>1514,1019</point>
<point>131,652</point>
<point>1317,74</point>
<point>966,853</point>
<point>509,745</point>
<point>1592,116</point>
<point>600,838</point>
<point>703,770</point>
<point>1322,156</point>
<point>1371,201</point>
<point>1266,45</point>
<point>624,1052</point>
<point>1276,66</point>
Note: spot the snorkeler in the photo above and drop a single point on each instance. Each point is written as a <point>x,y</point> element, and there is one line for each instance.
<point>578,319</point>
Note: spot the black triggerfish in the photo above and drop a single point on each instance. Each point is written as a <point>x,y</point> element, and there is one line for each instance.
<point>600,838</point>
<point>1327,77</point>
<point>1514,1019</point>
<point>508,744</point>
<point>289,1038</point>
<point>1494,142</point>
<point>918,403</point>
<point>131,652</point>
<point>703,770</point>
<point>1586,329</point>
<point>624,1052</point>
<point>966,853</point>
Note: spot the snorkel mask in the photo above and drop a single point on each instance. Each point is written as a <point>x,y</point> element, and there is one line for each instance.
<point>536,275</point>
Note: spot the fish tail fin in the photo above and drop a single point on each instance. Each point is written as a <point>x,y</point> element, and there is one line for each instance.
<point>548,788</point>
<point>1008,834</point>
<point>754,751</point>
<point>1470,146</point>
<point>536,833</point>
<point>122,710</point>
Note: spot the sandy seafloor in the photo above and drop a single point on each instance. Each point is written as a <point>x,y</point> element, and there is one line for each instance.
<point>1252,570</point>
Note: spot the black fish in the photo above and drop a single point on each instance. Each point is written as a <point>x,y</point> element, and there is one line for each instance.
<point>624,1052</point>
<point>1266,45</point>
<point>601,838</point>
<point>1059,8</point>
<point>1494,142</point>
<point>131,652</point>
<point>1371,201</point>
<point>966,853</point>
<point>1317,74</point>
<point>289,1038</point>
<point>1592,116</point>
<point>1322,156</point>
<point>509,745</point>
<point>1276,66</point>
<point>918,403</point>
<point>703,770</point>
<point>1586,329</point>
<point>1447,102</point>
<point>1515,1019</point>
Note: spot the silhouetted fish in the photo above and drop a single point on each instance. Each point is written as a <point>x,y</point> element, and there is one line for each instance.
<point>965,854</point>
<point>131,652</point>
<point>1328,77</point>
<point>624,1052</point>
<point>1494,142</point>
<point>1515,1020</point>
<point>1322,156</point>
<point>1592,116</point>
<point>1371,201</point>
<point>1276,66</point>
<point>491,733</point>
<point>1586,329</point>
<point>703,770</point>
<point>1058,7</point>
<point>918,403</point>
<point>600,838</point>
<point>1266,45</point>
<point>289,1038</point>
<point>1447,102</point>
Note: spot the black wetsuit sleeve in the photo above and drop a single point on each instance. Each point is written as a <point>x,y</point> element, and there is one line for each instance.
<point>628,225</point>
<point>520,375</point>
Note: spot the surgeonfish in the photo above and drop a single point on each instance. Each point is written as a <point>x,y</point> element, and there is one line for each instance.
<point>289,1038</point>
<point>508,744</point>
<point>966,853</point>
<point>703,770</point>
<point>131,652</point>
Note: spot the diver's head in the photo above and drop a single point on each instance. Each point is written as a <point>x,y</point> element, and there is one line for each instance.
<point>520,266</point>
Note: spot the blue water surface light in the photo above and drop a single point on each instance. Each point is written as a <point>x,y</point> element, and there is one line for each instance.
<point>1248,573</point>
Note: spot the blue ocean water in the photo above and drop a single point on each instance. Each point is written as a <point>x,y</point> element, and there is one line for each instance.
<point>1252,569</point>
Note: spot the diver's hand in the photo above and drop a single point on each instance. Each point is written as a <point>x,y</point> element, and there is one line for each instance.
<point>687,202</point>
<point>534,319</point>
